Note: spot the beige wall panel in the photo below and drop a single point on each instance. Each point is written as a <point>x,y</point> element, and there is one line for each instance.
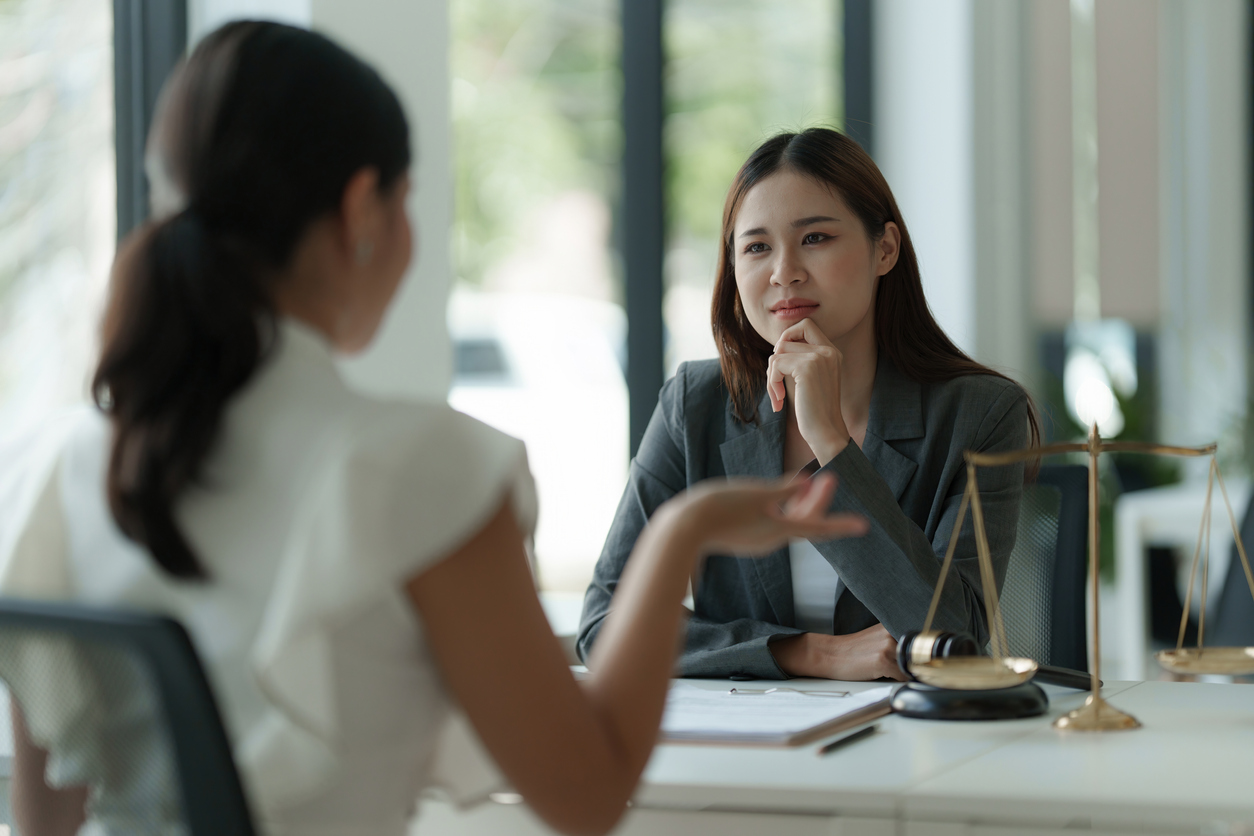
<point>1127,159</point>
<point>1049,141</point>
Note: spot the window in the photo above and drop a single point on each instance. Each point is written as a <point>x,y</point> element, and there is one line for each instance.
<point>57,200</point>
<point>738,71</point>
<point>535,315</point>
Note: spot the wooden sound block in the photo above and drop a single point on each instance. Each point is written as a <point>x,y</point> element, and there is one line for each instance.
<point>914,699</point>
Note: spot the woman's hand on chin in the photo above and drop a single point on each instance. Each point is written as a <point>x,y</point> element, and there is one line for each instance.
<point>865,655</point>
<point>806,369</point>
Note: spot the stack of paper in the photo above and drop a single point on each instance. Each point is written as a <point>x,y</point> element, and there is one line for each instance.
<point>783,718</point>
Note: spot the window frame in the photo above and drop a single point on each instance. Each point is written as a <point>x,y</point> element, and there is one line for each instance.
<point>149,39</point>
<point>643,169</point>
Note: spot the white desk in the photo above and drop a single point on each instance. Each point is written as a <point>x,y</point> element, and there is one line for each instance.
<point>1169,516</point>
<point>1188,771</point>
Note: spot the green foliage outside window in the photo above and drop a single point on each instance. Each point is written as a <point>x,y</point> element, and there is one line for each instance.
<point>536,97</point>
<point>737,72</point>
<point>536,93</point>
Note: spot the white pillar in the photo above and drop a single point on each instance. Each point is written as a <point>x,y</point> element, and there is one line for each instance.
<point>407,41</point>
<point>1000,175</point>
<point>924,115</point>
<point>1204,220</point>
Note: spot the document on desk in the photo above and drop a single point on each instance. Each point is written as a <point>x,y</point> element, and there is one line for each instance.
<point>784,718</point>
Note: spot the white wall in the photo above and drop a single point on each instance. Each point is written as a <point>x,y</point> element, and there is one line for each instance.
<point>1128,159</point>
<point>407,42</point>
<point>1203,226</point>
<point>1051,253</point>
<point>1003,336</point>
<point>203,16</point>
<point>924,113</point>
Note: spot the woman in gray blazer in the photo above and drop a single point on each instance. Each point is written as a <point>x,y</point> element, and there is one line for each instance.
<point>829,361</point>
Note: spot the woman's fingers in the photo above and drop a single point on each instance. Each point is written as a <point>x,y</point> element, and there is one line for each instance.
<point>789,490</point>
<point>833,527</point>
<point>804,331</point>
<point>750,519</point>
<point>798,348</point>
<point>799,338</point>
<point>775,384</point>
<point>778,368</point>
<point>814,497</point>
<point>804,504</point>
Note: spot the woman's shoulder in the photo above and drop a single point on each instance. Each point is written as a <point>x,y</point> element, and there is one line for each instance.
<point>980,402</point>
<point>696,384</point>
<point>408,480</point>
<point>982,389</point>
<point>701,374</point>
<point>401,435</point>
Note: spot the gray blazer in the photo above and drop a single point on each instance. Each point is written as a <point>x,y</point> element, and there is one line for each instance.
<point>907,479</point>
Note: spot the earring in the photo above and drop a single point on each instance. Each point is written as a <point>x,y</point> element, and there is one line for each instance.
<point>365,249</point>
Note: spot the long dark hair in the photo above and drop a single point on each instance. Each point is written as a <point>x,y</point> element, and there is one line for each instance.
<point>905,330</point>
<point>257,134</point>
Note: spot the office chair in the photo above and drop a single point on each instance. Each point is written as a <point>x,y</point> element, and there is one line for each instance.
<point>1043,596</point>
<point>125,707</point>
<point>1234,619</point>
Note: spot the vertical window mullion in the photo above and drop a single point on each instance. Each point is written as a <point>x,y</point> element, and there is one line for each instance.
<point>149,38</point>
<point>643,222</point>
<point>859,71</point>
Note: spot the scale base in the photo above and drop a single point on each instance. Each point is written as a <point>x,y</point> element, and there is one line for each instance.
<point>914,699</point>
<point>1097,715</point>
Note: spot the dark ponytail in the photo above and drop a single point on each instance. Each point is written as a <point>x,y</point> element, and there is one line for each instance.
<point>257,135</point>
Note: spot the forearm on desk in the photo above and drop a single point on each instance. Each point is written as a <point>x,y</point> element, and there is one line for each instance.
<point>865,655</point>
<point>820,656</point>
<point>803,656</point>
<point>894,570</point>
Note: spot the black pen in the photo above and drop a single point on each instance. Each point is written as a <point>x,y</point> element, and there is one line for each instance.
<point>849,738</point>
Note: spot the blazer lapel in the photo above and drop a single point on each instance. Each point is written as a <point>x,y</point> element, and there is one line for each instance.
<point>896,469</point>
<point>896,414</point>
<point>758,452</point>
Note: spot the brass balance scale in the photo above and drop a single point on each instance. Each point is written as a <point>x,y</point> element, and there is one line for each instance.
<point>1002,671</point>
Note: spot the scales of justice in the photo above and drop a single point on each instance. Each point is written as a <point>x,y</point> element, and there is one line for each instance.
<point>1002,673</point>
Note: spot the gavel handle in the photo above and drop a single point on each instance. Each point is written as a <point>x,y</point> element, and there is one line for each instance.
<point>1066,677</point>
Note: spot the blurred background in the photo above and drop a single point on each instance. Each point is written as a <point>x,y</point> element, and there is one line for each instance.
<point>1075,174</point>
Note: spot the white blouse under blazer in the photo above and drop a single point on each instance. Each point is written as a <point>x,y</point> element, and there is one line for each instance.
<point>315,507</point>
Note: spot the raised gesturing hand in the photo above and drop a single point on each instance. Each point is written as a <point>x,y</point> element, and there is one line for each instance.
<point>750,518</point>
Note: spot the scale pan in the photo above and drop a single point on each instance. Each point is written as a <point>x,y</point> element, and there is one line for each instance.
<point>975,673</point>
<point>1231,661</point>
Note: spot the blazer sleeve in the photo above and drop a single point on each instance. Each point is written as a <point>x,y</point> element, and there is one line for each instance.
<point>893,570</point>
<point>659,471</point>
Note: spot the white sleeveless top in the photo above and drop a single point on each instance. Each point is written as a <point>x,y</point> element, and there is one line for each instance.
<point>316,506</point>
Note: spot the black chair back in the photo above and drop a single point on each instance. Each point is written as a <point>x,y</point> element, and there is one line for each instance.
<point>1043,595</point>
<point>106,680</point>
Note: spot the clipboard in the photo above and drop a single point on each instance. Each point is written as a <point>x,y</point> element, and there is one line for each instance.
<point>784,718</point>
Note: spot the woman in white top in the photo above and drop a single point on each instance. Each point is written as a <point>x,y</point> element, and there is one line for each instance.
<point>348,567</point>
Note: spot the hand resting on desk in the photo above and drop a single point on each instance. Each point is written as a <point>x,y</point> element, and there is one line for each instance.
<point>867,654</point>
